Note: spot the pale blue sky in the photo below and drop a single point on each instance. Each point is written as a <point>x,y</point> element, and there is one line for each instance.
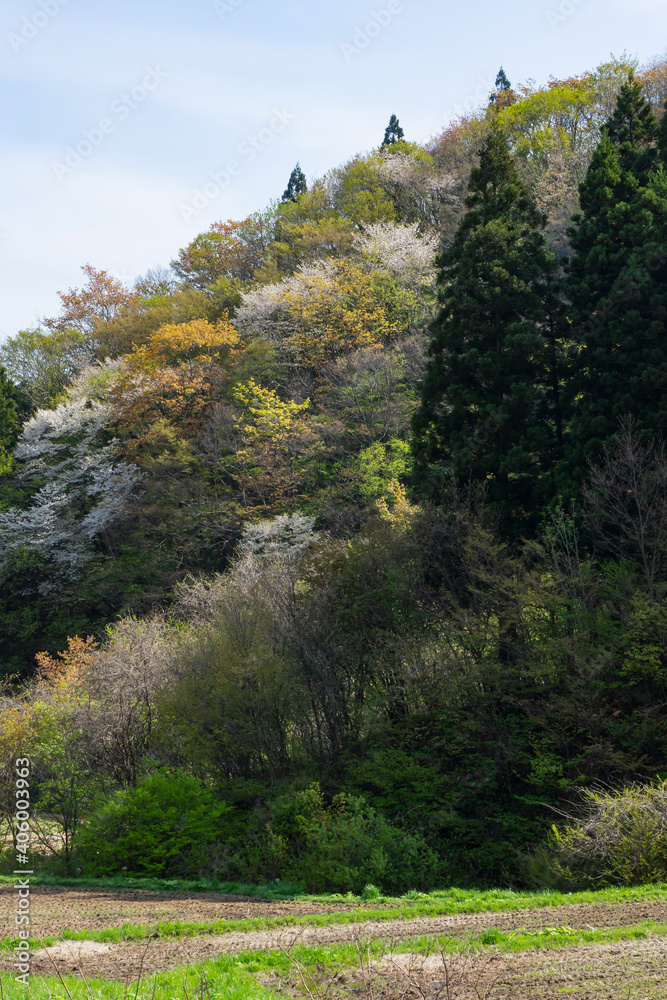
<point>170,92</point>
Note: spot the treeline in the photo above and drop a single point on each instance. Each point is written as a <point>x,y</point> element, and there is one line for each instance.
<point>362,506</point>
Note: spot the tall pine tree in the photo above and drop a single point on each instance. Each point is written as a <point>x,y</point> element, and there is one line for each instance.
<point>503,87</point>
<point>616,284</point>
<point>393,133</point>
<point>9,424</point>
<point>487,413</point>
<point>662,137</point>
<point>296,185</point>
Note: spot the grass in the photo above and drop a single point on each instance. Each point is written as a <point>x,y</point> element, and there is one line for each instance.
<point>274,890</point>
<point>447,902</point>
<point>232,976</point>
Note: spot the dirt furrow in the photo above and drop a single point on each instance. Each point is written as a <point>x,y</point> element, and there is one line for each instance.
<point>123,961</point>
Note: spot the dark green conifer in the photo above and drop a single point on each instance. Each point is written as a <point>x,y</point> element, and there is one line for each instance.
<point>503,93</point>
<point>296,185</point>
<point>616,284</point>
<point>9,424</point>
<point>486,414</point>
<point>662,137</point>
<point>633,130</point>
<point>393,133</point>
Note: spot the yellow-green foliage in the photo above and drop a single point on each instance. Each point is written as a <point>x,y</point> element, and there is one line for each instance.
<point>620,838</point>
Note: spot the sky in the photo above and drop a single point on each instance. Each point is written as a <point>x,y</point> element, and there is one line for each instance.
<point>129,126</point>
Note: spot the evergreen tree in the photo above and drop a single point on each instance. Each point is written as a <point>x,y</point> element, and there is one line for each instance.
<point>9,424</point>
<point>296,185</point>
<point>662,137</point>
<point>616,284</point>
<point>633,129</point>
<point>485,411</point>
<point>503,86</point>
<point>393,133</point>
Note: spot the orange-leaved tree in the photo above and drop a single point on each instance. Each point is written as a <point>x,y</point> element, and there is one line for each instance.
<point>229,249</point>
<point>61,674</point>
<point>175,376</point>
<point>88,308</point>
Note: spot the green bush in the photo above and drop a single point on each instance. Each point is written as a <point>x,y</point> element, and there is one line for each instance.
<point>619,838</point>
<point>167,825</point>
<point>341,847</point>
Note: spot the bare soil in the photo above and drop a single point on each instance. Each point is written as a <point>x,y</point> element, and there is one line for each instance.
<point>581,971</point>
<point>55,909</point>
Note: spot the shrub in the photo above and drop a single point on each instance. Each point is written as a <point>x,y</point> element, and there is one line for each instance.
<point>619,838</point>
<point>167,825</point>
<point>341,847</point>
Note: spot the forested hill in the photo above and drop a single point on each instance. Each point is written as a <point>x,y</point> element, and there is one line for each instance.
<point>366,489</point>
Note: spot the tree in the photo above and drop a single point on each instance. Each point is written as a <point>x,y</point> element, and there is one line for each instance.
<point>174,376</point>
<point>229,249</point>
<point>503,95</point>
<point>402,250</point>
<point>633,130</point>
<point>296,185</point>
<point>662,136</point>
<point>75,489</point>
<point>98,302</point>
<point>626,504</point>
<point>393,133</point>
<point>617,283</point>
<point>326,310</point>
<point>9,425</point>
<point>502,83</point>
<point>358,192</point>
<point>42,365</point>
<point>274,438</point>
<point>485,414</point>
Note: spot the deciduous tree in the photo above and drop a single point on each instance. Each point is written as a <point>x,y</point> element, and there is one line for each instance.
<point>97,303</point>
<point>174,376</point>
<point>42,365</point>
<point>229,249</point>
<point>75,486</point>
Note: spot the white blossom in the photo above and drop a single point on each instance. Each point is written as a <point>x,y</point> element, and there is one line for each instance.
<point>263,311</point>
<point>407,169</point>
<point>80,488</point>
<point>285,536</point>
<point>401,250</point>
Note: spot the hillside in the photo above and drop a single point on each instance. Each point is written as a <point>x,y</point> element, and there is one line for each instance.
<point>348,528</point>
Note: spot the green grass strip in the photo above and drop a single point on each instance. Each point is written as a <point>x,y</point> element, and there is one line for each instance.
<point>272,891</point>
<point>230,976</point>
<point>444,903</point>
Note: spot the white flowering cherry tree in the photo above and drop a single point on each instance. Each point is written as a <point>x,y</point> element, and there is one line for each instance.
<point>76,489</point>
<point>401,250</point>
